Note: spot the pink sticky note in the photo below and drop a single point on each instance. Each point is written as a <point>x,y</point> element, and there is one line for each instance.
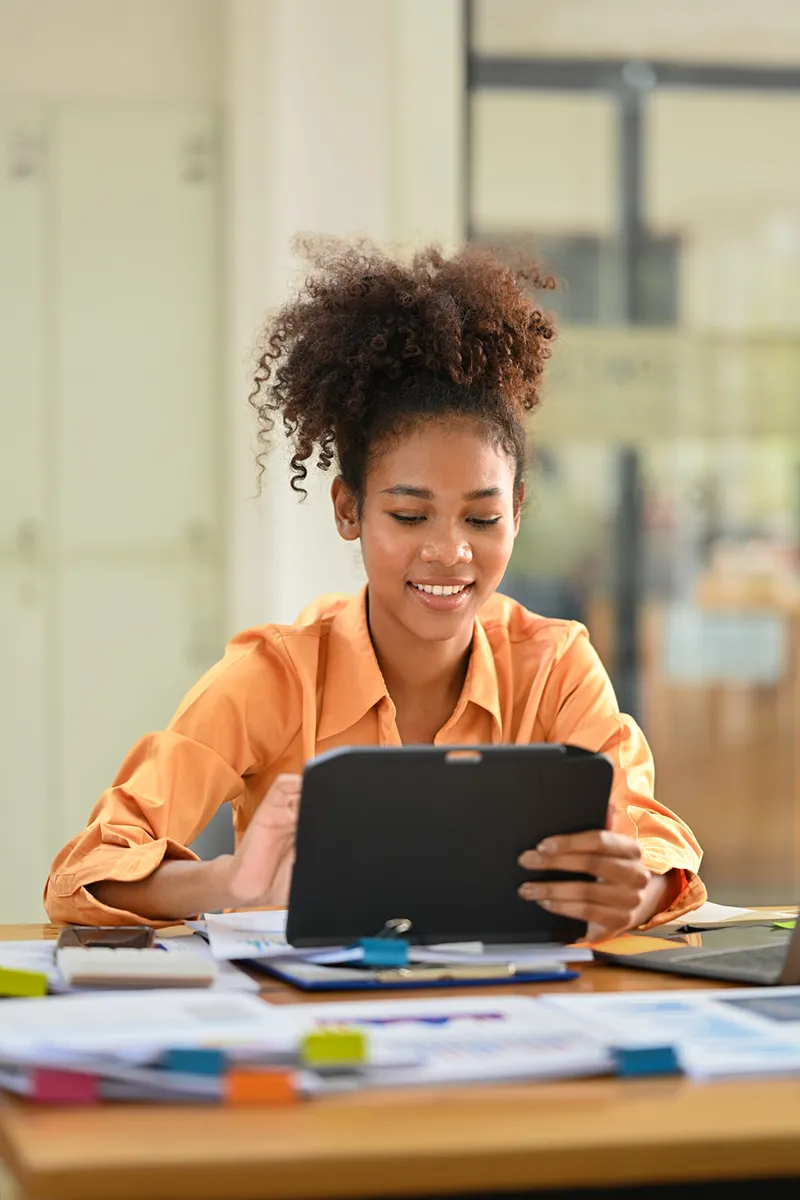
<point>63,1087</point>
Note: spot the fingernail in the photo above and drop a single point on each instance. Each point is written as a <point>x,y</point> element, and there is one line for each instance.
<point>548,846</point>
<point>533,891</point>
<point>529,859</point>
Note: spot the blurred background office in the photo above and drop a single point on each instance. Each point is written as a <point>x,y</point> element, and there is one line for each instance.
<point>156,157</point>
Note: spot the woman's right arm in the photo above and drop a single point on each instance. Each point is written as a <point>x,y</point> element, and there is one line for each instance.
<point>175,890</point>
<point>131,863</point>
<point>255,875</point>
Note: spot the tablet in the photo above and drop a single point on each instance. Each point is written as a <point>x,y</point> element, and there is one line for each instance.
<point>432,834</point>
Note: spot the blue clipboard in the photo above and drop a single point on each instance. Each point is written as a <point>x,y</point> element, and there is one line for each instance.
<point>311,977</point>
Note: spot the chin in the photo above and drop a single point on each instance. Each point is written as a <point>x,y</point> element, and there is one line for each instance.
<point>441,627</point>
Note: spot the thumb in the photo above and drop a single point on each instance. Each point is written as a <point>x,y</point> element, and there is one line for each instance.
<point>284,791</point>
<point>281,802</point>
<point>265,841</point>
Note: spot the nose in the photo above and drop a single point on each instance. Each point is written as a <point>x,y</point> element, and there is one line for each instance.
<point>447,548</point>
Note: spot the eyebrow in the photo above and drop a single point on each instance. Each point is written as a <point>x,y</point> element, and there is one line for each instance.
<point>405,489</point>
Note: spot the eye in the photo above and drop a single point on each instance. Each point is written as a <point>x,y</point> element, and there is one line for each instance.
<point>482,522</point>
<point>406,519</point>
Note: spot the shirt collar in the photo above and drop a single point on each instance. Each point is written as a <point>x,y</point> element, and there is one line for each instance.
<point>354,683</point>
<point>480,686</point>
<point>353,680</point>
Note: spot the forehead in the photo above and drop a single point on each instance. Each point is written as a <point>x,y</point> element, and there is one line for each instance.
<point>442,457</point>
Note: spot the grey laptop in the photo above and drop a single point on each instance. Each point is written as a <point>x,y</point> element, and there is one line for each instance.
<point>761,955</point>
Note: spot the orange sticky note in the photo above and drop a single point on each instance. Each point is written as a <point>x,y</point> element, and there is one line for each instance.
<point>631,944</point>
<point>260,1087</point>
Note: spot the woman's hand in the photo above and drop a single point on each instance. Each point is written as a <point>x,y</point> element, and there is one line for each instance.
<point>622,895</point>
<point>256,876</point>
<point>250,874</point>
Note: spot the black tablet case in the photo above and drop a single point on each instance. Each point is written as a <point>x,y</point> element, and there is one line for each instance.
<point>432,834</point>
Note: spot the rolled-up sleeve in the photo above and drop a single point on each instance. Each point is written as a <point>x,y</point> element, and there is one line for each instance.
<point>585,713</point>
<point>172,782</point>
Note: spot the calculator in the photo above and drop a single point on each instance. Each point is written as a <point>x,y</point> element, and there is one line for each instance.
<point>123,967</point>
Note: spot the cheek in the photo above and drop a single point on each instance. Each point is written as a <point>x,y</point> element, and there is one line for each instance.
<point>494,553</point>
<point>386,550</point>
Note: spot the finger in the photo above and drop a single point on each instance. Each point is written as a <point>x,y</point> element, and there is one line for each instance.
<point>605,921</point>
<point>260,850</point>
<point>617,870</point>
<point>597,933</point>
<point>609,895</point>
<point>591,841</point>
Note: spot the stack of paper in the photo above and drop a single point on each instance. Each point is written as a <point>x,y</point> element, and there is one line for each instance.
<point>262,936</point>
<point>193,1046</point>
<point>40,957</point>
<point>119,1038</point>
<point>714,1034</point>
<point>713,916</point>
<point>463,1040</point>
<point>120,1046</point>
<point>36,956</point>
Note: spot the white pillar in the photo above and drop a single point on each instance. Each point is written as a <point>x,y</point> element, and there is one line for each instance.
<point>342,118</point>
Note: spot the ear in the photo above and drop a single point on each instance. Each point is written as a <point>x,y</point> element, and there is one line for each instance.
<point>518,503</point>
<point>345,510</point>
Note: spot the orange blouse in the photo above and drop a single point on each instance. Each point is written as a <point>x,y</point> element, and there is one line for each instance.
<point>283,694</point>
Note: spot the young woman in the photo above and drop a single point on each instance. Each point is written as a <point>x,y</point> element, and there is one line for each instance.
<point>415,380</point>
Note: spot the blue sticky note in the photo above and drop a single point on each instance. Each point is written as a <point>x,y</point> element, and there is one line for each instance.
<point>199,1060</point>
<point>646,1060</point>
<point>384,952</point>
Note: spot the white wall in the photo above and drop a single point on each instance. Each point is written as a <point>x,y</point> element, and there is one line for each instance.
<point>340,116</point>
<point>343,118</point>
<point>110,49</point>
<point>109,255</point>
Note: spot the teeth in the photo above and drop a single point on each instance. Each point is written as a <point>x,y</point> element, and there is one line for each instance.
<point>439,590</point>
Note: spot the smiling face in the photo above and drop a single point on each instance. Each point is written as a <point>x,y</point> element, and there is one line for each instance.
<point>437,526</point>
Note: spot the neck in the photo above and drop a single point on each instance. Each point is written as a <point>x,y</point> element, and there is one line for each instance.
<point>431,671</point>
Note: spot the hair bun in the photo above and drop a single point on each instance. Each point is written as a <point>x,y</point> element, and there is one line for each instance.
<point>364,322</point>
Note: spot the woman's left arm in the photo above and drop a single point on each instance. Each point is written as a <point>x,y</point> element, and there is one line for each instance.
<point>622,893</point>
<point>646,862</point>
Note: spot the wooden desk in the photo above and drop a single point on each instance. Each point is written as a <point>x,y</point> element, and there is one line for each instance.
<point>525,1137</point>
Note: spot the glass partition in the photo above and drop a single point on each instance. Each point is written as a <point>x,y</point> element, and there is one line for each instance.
<point>665,486</point>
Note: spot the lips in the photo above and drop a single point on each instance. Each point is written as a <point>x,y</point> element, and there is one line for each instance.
<point>441,597</point>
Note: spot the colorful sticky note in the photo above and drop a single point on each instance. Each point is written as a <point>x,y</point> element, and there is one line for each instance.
<point>631,943</point>
<point>253,1087</point>
<point>50,1086</point>
<point>784,924</point>
<point>22,983</point>
<point>646,1060</point>
<point>199,1060</point>
<point>334,1048</point>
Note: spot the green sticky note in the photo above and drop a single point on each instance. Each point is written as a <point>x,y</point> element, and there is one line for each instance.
<point>334,1048</point>
<point>22,983</point>
<point>784,924</point>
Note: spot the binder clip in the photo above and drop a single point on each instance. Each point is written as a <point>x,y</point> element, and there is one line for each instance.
<point>395,928</point>
<point>388,948</point>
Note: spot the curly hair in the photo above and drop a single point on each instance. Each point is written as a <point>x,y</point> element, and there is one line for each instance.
<point>373,345</point>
